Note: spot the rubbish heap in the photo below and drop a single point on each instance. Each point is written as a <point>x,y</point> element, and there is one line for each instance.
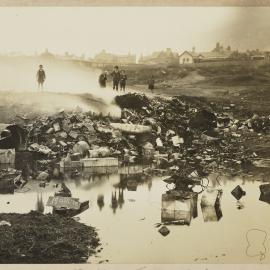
<point>167,131</point>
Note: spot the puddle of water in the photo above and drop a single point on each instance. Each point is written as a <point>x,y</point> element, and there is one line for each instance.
<point>124,208</point>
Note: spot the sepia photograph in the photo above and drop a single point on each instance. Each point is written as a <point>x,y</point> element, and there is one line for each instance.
<point>134,134</point>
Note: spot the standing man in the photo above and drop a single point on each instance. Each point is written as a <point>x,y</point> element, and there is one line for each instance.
<point>151,83</point>
<point>41,76</point>
<point>123,79</point>
<point>116,77</point>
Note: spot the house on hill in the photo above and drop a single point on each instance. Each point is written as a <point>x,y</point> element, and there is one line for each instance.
<point>217,54</point>
<point>108,58</point>
<point>167,57</point>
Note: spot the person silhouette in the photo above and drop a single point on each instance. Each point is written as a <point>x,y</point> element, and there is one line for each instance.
<point>41,76</point>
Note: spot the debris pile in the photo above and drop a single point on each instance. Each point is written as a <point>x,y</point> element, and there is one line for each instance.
<point>169,131</point>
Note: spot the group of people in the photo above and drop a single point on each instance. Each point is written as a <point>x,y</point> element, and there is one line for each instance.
<point>118,78</point>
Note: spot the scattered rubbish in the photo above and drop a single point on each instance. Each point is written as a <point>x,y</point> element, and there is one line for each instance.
<point>164,231</point>
<point>238,192</point>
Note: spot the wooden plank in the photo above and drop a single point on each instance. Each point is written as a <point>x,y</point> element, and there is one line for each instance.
<point>66,202</point>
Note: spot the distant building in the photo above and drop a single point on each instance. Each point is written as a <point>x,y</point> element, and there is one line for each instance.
<point>257,55</point>
<point>47,55</point>
<point>108,58</point>
<point>217,54</point>
<point>167,57</point>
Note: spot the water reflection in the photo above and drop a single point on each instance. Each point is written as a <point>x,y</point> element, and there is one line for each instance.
<point>40,204</point>
<point>121,200</point>
<point>114,202</point>
<point>100,201</point>
<point>124,209</point>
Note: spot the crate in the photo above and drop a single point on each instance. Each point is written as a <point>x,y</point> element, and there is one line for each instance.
<point>100,162</point>
<point>177,208</point>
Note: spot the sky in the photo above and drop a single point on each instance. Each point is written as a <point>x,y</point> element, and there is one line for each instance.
<point>140,30</point>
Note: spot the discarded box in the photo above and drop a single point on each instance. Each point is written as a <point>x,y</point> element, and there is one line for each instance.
<point>100,162</point>
<point>7,156</point>
<point>238,192</point>
<point>181,207</point>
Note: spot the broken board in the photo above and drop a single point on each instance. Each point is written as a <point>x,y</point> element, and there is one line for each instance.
<point>64,202</point>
